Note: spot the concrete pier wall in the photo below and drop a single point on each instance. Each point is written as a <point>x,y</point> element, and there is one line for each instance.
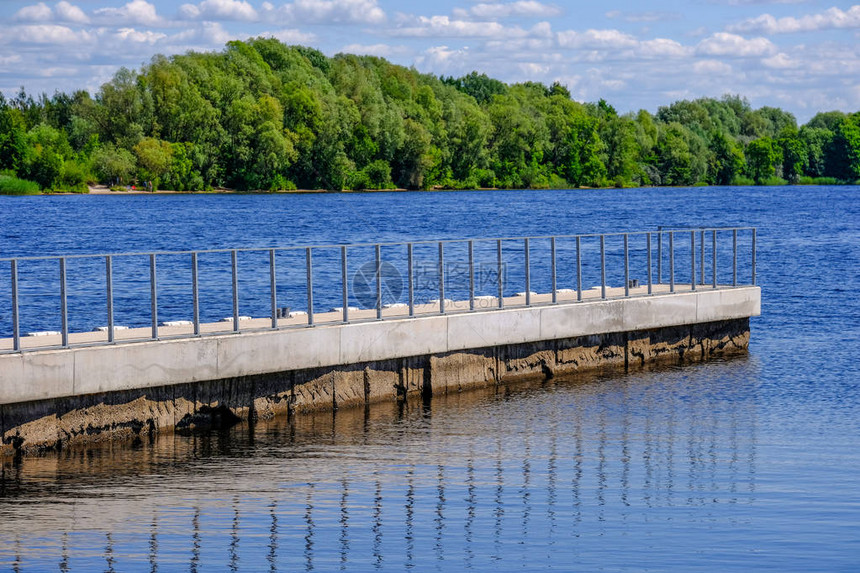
<point>53,397</point>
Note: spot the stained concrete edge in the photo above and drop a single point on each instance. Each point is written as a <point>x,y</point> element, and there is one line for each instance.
<point>41,375</point>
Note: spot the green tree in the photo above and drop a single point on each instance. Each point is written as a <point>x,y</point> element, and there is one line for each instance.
<point>795,155</point>
<point>817,141</point>
<point>113,165</point>
<point>673,157</point>
<point>154,158</point>
<point>844,163</point>
<point>762,156</point>
<point>727,159</point>
<point>479,86</point>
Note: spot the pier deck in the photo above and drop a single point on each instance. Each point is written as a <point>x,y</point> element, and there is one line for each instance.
<point>334,317</point>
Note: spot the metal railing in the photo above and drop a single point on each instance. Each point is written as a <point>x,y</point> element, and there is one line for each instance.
<point>485,271</point>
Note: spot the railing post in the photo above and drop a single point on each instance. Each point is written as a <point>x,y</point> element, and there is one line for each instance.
<point>693,260</point>
<point>714,255</point>
<point>195,293</point>
<point>602,266</point>
<point>471,275</point>
<point>660,255</point>
<point>64,309</point>
<point>626,265</point>
<point>344,270</point>
<point>702,256</point>
<point>16,325</point>
<point>500,266</point>
<point>578,268</point>
<point>441,278</point>
<point>153,295</point>
<point>309,264</point>
<point>234,260</point>
<point>109,296</point>
<point>671,261</point>
<point>734,257</point>
<point>378,254</point>
<point>273,287</point>
<point>553,270</point>
<point>648,247</point>
<point>410,269</point>
<point>527,263</point>
<point>753,255</point>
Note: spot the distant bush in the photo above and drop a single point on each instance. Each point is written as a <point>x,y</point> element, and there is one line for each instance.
<point>818,181</point>
<point>73,178</point>
<point>11,185</point>
<point>742,181</point>
<point>280,183</point>
<point>558,182</point>
<point>774,181</point>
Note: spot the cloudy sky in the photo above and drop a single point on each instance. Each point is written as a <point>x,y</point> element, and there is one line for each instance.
<point>801,55</point>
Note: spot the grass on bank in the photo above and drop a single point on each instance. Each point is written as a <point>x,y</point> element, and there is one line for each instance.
<point>11,185</point>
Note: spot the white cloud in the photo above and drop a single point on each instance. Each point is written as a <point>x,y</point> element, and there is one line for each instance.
<point>712,67</point>
<point>724,44</point>
<point>207,35</point>
<point>834,18</point>
<point>6,60</point>
<point>136,12</point>
<point>70,13</point>
<point>41,12</point>
<point>643,16</point>
<point>596,39</point>
<point>334,11</point>
<point>292,36</point>
<point>219,10</point>
<point>662,47</point>
<point>443,60</point>
<point>533,69</point>
<point>445,27</point>
<point>520,9</point>
<point>50,34</point>
<point>36,13</point>
<point>780,62</point>
<point>599,45</point>
<point>380,50</point>
<point>138,36</point>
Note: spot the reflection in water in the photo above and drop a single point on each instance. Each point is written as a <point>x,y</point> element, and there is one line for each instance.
<point>234,537</point>
<point>272,557</point>
<point>466,481</point>
<point>195,543</point>
<point>153,545</point>
<point>344,524</point>
<point>410,518</point>
<point>439,520</point>
<point>309,536</point>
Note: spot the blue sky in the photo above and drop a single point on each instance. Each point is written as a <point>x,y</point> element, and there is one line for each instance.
<point>800,55</point>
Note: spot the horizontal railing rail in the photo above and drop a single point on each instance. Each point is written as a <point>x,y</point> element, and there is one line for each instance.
<point>392,280</point>
<point>372,244</point>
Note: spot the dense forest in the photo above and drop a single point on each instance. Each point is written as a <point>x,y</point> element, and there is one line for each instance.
<point>261,115</point>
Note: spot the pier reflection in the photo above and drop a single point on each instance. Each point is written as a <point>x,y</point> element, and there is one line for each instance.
<point>465,481</point>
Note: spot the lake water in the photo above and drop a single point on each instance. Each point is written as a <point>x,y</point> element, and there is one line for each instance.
<point>732,465</point>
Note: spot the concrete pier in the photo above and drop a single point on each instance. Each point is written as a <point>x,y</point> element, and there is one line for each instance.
<point>52,397</point>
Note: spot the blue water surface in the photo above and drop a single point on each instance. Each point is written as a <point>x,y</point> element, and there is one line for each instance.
<point>747,464</point>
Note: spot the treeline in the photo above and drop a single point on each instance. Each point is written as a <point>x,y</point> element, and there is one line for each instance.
<point>264,115</point>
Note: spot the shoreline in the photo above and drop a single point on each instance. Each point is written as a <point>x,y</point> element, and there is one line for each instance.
<point>106,191</point>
